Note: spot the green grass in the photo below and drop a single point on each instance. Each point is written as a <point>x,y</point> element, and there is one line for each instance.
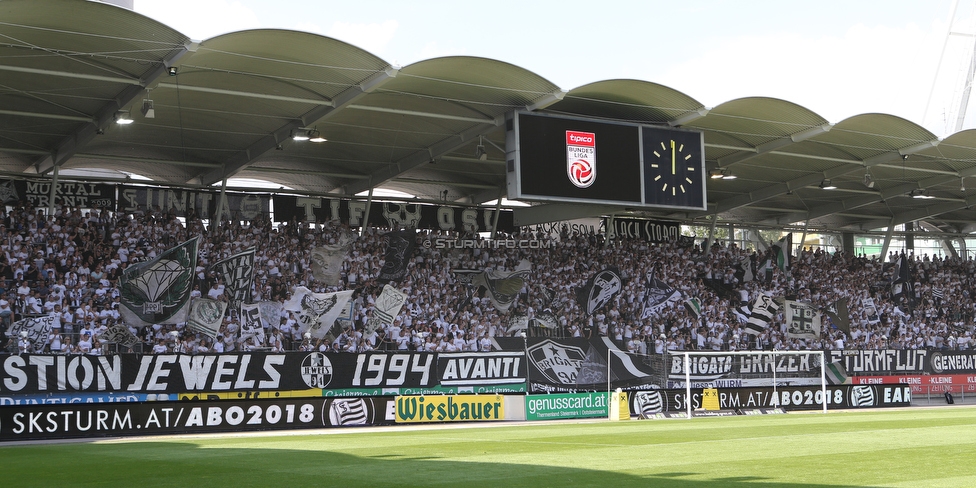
<point>909,448</point>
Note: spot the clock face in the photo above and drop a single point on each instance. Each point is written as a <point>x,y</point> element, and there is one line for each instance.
<point>673,168</point>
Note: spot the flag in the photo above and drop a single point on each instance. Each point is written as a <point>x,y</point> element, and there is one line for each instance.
<point>38,330</point>
<point>386,308</point>
<point>803,320</point>
<point>745,274</point>
<point>317,311</point>
<point>326,261</point>
<point>839,315</point>
<point>503,287</point>
<point>763,310</point>
<point>237,273</point>
<point>8,192</point>
<point>836,373</point>
<point>599,290</point>
<point>782,251</point>
<point>119,334</point>
<point>870,310</point>
<point>517,321</point>
<point>251,323</point>
<point>271,313</point>
<point>399,248</point>
<point>766,268</point>
<point>901,285</point>
<point>206,315</point>
<point>158,291</point>
<point>345,318</point>
<point>658,294</point>
<point>693,305</point>
<point>939,296</point>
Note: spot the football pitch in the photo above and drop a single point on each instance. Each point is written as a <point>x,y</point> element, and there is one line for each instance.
<point>914,447</point>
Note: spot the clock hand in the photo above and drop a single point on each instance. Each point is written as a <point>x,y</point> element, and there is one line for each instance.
<point>673,169</point>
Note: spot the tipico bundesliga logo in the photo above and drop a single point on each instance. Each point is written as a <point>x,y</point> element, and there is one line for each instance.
<point>581,158</point>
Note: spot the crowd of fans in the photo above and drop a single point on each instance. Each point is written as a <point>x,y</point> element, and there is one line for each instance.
<point>69,264</point>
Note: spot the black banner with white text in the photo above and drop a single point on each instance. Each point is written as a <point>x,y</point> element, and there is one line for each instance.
<point>46,421</point>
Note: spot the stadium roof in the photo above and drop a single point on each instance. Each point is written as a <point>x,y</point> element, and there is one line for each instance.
<point>234,100</point>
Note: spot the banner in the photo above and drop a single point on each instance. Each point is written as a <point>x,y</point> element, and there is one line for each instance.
<point>399,249</point>
<point>391,214</point>
<point>317,311</point>
<point>566,406</point>
<point>33,422</point>
<point>890,361</point>
<point>923,384</point>
<point>480,368</point>
<point>647,404</point>
<point>158,291</point>
<point>733,371</point>
<point>67,193</point>
<point>646,230</point>
<point>575,365</point>
<point>200,203</point>
<point>449,408</point>
<point>237,273</point>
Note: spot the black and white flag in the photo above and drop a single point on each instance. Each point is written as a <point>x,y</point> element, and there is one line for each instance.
<point>803,320</point>
<point>399,249</point>
<point>386,308</point>
<point>501,287</point>
<point>901,284</point>
<point>38,330</point>
<point>659,294</point>
<point>839,315</point>
<point>599,290</point>
<point>251,323</point>
<point>317,311</point>
<point>119,334</point>
<point>763,310</point>
<point>237,273</point>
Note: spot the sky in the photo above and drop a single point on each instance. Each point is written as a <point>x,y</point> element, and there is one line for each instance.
<point>836,58</point>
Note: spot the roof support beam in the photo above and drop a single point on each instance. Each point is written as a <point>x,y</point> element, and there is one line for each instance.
<point>106,115</point>
<point>689,117</point>
<point>39,115</point>
<point>863,200</point>
<point>418,158</point>
<point>440,148</point>
<point>423,114</point>
<point>813,179</point>
<point>774,145</point>
<point>237,93</point>
<point>78,76</point>
<point>921,213</point>
<point>269,142</point>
